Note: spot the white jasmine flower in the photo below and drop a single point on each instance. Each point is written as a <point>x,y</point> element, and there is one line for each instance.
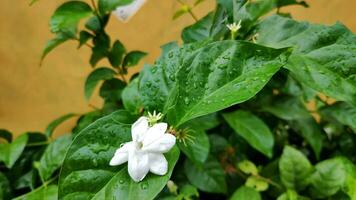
<point>234,27</point>
<point>145,152</point>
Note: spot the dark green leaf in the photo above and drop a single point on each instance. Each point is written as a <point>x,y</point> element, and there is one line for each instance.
<point>131,97</point>
<point>205,122</point>
<point>9,153</point>
<point>209,177</point>
<point>94,24</point>
<point>86,173</point>
<point>252,129</point>
<point>117,52</point>
<point>106,6</point>
<point>53,156</point>
<point>133,58</point>
<point>218,76</point>
<point>294,168</point>
<point>67,16</point>
<point>84,37</point>
<point>85,120</point>
<point>26,181</point>
<point>196,148</point>
<point>55,123</point>
<point>342,112</point>
<point>51,44</point>
<point>42,193</point>
<point>188,192</point>
<point>323,58</point>
<point>111,89</point>
<point>246,193</point>
<point>5,134</point>
<point>101,48</point>
<point>5,188</point>
<point>95,77</point>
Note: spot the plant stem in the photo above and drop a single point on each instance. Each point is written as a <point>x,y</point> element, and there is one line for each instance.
<point>94,6</point>
<point>37,144</point>
<point>189,10</point>
<point>123,77</point>
<point>268,181</point>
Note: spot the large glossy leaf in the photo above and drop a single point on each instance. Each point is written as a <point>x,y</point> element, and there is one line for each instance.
<point>208,177</point>
<point>324,56</point>
<point>55,123</point>
<point>252,129</point>
<point>95,77</point>
<point>220,75</point>
<point>9,153</point>
<point>53,156</point>
<point>67,16</point>
<point>246,193</point>
<point>342,112</point>
<point>294,169</point>
<point>86,173</point>
<point>42,193</point>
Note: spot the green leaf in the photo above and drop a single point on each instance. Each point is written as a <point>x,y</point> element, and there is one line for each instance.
<point>101,48</point>
<point>323,55</point>
<point>294,169</point>
<point>5,188</point>
<point>246,193</point>
<point>9,153</point>
<point>44,192</point>
<point>257,183</point>
<point>209,177</point>
<point>117,52</point>
<point>94,24</point>
<point>133,58</point>
<point>188,191</point>
<point>53,157</point>
<point>131,97</point>
<point>205,122</point>
<point>341,112</point>
<point>6,135</point>
<point>217,76</point>
<point>55,123</point>
<point>53,43</point>
<point>309,129</point>
<point>106,6</point>
<point>252,129</point>
<point>350,183</point>
<point>67,16</point>
<point>95,77</point>
<point>86,120</point>
<point>291,195</point>
<point>329,177</point>
<point>182,10</point>
<point>248,167</point>
<point>86,173</point>
<point>111,89</point>
<point>26,181</point>
<point>196,148</point>
<point>84,37</point>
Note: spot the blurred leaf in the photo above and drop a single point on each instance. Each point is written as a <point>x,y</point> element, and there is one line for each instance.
<point>116,54</point>
<point>6,135</point>
<point>95,77</point>
<point>133,58</point>
<point>111,89</point>
<point>131,97</point>
<point>84,37</point>
<point>188,191</point>
<point>106,6</point>
<point>51,44</point>
<point>101,48</point>
<point>196,148</point>
<point>294,169</point>
<point>67,16</point>
<point>94,24</point>
<point>86,120</point>
<point>26,181</point>
<point>341,112</point>
<point>55,123</point>
<point>252,129</point>
<point>257,183</point>
<point>247,167</point>
<point>9,153</point>
<point>53,156</point>
<point>209,177</point>
<point>182,10</point>
<point>5,188</point>
<point>246,193</point>
<point>291,195</point>
<point>42,193</point>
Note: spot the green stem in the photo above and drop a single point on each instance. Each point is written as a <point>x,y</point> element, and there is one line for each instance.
<point>37,144</point>
<point>268,181</point>
<point>189,10</point>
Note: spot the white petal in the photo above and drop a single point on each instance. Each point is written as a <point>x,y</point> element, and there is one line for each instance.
<point>121,154</point>
<point>154,133</point>
<point>158,164</point>
<point>138,166</point>
<point>139,128</point>
<point>161,145</point>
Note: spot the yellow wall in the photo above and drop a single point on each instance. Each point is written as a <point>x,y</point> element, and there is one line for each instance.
<point>30,97</point>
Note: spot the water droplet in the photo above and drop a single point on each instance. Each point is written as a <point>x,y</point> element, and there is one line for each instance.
<point>170,54</point>
<point>186,100</point>
<point>95,162</point>
<point>172,77</point>
<point>121,181</point>
<point>144,186</point>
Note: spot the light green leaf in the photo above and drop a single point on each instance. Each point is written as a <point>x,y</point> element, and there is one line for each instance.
<point>323,56</point>
<point>341,112</point>
<point>55,123</point>
<point>131,97</point>
<point>67,16</point>
<point>181,11</point>
<point>257,183</point>
<point>53,157</point>
<point>106,6</point>
<point>188,191</point>
<point>252,129</point>
<point>217,76</point>
<point>86,173</point>
<point>9,153</point>
<point>42,193</point>
<point>244,193</point>
<point>350,183</point>
<point>196,148</point>
<point>95,77</point>
<point>294,169</point>
<point>116,54</point>
<point>248,167</point>
<point>133,58</point>
<point>291,195</point>
<point>329,177</point>
<point>209,177</point>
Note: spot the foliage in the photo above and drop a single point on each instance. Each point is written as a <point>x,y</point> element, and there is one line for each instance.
<point>239,105</point>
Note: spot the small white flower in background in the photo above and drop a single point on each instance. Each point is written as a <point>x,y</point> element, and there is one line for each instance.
<point>234,27</point>
<point>145,152</point>
<point>124,13</point>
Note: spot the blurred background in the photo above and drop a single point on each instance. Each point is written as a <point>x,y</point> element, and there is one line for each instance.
<point>33,96</point>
